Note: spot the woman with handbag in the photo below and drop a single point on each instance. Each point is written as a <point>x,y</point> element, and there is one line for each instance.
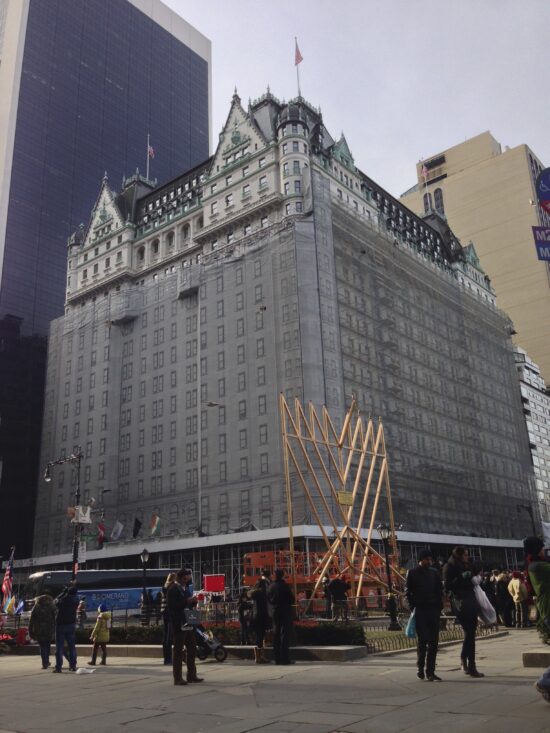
<point>457,578</point>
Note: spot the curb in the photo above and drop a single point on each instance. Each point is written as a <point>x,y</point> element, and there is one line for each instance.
<point>454,642</point>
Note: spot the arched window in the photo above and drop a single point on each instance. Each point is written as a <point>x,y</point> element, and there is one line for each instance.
<point>155,246</point>
<point>438,200</point>
<point>170,240</point>
<point>184,232</point>
<point>141,254</point>
<point>427,203</point>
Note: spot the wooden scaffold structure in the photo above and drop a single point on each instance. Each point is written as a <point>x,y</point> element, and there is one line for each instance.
<point>344,478</point>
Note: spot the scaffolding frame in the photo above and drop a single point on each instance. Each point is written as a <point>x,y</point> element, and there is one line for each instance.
<point>336,474</point>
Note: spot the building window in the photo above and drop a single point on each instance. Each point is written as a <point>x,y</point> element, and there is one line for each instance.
<point>261,163</point>
<point>263,182</point>
<point>229,199</point>
<point>427,202</point>
<point>246,190</point>
<point>438,200</point>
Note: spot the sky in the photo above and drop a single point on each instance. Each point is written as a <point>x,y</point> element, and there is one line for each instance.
<point>403,79</point>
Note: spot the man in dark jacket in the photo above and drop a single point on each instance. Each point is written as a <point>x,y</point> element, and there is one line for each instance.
<point>65,627</point>
<point>338,588</point>
<point>425,597</point>
<point>281,598</point>
<point>179,599</point>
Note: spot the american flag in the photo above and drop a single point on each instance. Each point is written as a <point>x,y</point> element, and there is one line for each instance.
<point>8,578</point>
<point>424,172</point>
<point>298,58</point>
<point>150,151</point>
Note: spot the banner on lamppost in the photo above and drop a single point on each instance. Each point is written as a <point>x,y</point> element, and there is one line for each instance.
<point>543,189</point>
<point>541,236</point>
<point>82,552</point>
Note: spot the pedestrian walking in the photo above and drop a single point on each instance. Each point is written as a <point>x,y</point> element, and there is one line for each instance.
<point>166,626</point>
<point>101,634</point>
<point>425,597</point>
<point>42,626</point>
<point>539,576</point>
<point>505,603</point>
<point>457,578</point>
<point>244,609</point>
<point>518,591</point>
<point>65,627</point>
<point>261,617</point>
<point>180,600</point>
<point>488,581</point>
<point>327,596</point>
<point>281,598</point>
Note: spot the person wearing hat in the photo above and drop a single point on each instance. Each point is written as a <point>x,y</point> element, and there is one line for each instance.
<point>101,634</point>
<point>425,597</point>
<point>65,627</point>
<point>179,600</point>
<point>539,575</point>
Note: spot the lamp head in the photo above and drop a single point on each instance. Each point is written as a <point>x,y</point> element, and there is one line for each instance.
<point>144,556</point>
<point>47,474</point>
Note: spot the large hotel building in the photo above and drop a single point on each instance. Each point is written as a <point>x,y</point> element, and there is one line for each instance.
<point>275,266</point>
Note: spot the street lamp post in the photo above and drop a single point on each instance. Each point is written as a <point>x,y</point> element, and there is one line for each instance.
<point>145,612</point>
<point>385,533</point>
<point>76,459</point>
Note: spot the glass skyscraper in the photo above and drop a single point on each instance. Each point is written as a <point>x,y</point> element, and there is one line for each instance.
<point>83,83</point>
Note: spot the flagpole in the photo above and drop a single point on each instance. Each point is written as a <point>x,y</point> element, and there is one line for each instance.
<point>297,69</point>
<point>147,168</point>
<point>425,177</point>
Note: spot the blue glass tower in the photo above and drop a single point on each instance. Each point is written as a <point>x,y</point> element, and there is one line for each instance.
<point>83,83</point>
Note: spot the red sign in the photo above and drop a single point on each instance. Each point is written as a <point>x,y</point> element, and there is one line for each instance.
<point>214,583</point>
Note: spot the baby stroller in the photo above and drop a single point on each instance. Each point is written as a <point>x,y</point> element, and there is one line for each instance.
<point>206,642</point>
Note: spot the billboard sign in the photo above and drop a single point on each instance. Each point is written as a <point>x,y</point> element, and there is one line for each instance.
<point>214,583</point>
<point>542,242</point>
<point>543,189</point>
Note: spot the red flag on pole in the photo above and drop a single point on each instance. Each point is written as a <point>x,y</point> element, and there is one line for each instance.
<point>8,578</point>
<point>298,58</point>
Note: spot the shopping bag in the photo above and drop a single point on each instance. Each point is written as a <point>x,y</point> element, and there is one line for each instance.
<point>410,629</point>
<point>486,611</point>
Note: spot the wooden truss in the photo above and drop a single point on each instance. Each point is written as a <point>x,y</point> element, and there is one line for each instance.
<point>344,478</point>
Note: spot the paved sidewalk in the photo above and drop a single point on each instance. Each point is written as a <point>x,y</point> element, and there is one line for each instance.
<point>374,695</point>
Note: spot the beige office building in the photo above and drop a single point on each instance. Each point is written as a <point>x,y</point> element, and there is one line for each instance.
<point>487,195</point>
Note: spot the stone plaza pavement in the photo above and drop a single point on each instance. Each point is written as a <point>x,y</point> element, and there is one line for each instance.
<point>374,695</point>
